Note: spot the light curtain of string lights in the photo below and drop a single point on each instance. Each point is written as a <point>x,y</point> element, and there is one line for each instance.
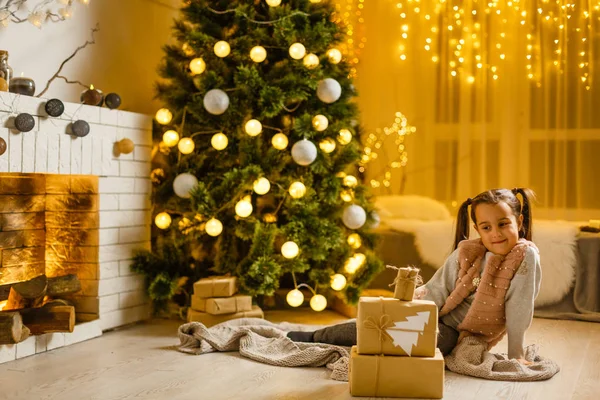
<point>471,37</point>
<point>348,13</point>
<point>36,13</point>
<point>375,143</point>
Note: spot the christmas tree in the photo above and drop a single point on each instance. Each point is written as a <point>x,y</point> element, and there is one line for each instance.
<point>257,155</point>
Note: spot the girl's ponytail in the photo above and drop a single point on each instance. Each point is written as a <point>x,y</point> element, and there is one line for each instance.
<point>462,223</point>
<point>527,195</point>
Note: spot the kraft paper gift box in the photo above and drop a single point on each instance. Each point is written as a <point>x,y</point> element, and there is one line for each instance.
<point>216,286</point>
<point>222,305</point>
<point>395,327</point>
<point>210,320</point>
<point>391,376</point>
<point>406,281</point>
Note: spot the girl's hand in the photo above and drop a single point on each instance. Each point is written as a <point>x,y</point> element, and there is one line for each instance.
<point>523,361</point>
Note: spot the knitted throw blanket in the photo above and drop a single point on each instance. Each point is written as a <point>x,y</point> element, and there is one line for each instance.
<point>471,357</point>
<point>266,342</point>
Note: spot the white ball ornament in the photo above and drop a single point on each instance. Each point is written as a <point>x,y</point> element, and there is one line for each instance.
<point>273,3</point>
<point>304,152</point>
<point>354,216</point>
<point>320,122</point>
<point>183,183</point>
<point>329,90</point>
<point>258,54</point>
<point>297,51</point>
<point>216,101</point>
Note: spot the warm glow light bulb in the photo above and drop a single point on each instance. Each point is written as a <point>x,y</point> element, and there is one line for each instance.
<point>297,51</point>
<point>273,3</point>
<point>338,282</point>
<point>318,302</point>
<point>354,241</point>
<point>344,136</point>
<point>186,145</point>
<point>290,249</point>
<point>334,55</point>
<point>315,1</point>
<point>253,127</point>
<point>162,220</point>
<point>262,186</point>
<point>163,116</point>
<point>311,61</point>
<point>280,141</point>
<point>219,141</point>
<point>171,138</point>
<point>354,263</point>
<point>222,48</point>
<point>258,54</point>
<point>295,298</point>
<point>327,145</point>
<point>213,227</point>
<point>243,208</point>
<point>350,181</point>
<point>297,190</point>
<point>197,66</point>
<point>320,122</point>
<point>346,195</point>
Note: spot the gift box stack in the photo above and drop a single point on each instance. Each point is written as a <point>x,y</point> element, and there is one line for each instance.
<point>215,301</point>
<point>396,354</point>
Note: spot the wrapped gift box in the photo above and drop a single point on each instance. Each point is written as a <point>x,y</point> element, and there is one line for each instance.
<point>222,305</point>
<point>216,286</point>
<point>396,327</point>
<point>210,319</point>
<point>391,376</point>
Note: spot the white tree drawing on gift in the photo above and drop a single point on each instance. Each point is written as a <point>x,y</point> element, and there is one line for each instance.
<point>406,333</point>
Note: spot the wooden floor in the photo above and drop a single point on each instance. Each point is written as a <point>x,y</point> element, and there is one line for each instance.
<point>139,362</point>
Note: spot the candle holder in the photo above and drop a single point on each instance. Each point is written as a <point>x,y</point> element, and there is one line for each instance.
<point>92,96</point>
<point>20,85</point>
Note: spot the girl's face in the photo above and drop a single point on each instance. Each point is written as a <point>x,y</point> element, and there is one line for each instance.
<point>498,227</point>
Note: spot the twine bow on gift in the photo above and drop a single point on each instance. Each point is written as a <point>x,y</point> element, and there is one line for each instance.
<point>384,322</point>
<point>406,281</point>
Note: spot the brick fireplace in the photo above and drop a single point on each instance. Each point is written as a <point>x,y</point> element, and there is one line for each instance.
<point>75,206</point>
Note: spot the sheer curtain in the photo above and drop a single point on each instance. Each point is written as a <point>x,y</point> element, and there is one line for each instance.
<point>502,93</point>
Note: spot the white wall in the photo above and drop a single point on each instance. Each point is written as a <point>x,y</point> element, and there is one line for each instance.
<point>124,59</point>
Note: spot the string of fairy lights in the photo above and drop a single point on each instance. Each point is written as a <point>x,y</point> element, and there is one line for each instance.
<point>472,38</point>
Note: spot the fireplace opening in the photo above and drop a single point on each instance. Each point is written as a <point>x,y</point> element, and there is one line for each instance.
<point>48,252</point>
